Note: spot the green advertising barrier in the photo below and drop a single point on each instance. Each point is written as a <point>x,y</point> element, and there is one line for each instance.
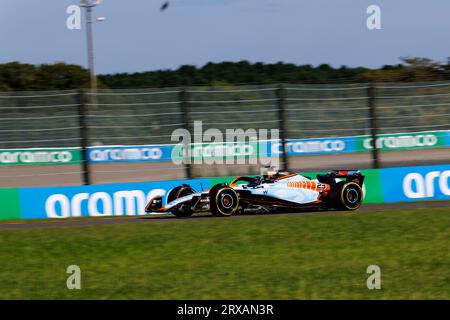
<point>221,180</point>
<point>373,191</point>
<point>10,157</point>
<point>403,141</point>
<point>9,204</point>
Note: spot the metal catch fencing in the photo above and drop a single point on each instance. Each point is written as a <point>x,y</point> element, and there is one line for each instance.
<point>114,132</point>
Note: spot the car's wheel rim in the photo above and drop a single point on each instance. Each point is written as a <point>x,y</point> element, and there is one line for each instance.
<point>227,201</point>
<point>352,196</point>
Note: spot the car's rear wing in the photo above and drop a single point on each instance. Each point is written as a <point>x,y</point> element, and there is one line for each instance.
<point>348,175</point>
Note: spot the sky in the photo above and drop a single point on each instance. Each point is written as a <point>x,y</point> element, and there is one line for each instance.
<point>136,36</point>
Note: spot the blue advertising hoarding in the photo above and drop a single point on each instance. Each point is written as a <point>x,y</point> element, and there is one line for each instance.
<point>395,185</point>
<point>268,148</point>
<point>96,200</point>
<point>163,153</point>
<point>145,153</point>
<point>416,183</point>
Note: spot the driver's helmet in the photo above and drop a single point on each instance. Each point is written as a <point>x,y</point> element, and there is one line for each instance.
<point>272,174</point>
<point>256,181</point>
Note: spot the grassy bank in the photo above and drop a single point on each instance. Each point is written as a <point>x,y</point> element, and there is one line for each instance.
<point>313,256</point>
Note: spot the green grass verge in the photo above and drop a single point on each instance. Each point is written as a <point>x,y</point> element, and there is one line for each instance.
<point>313,256</point>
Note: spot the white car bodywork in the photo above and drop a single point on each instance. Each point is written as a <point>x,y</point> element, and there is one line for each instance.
<point>296,189</point>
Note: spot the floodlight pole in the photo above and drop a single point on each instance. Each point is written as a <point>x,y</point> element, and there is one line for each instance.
<point>88,5</point>
<point>90,47</point>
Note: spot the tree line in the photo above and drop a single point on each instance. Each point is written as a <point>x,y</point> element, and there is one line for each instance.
<point>62,76</point>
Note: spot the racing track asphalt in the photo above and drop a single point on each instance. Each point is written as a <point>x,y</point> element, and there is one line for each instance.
<point>167,218</point>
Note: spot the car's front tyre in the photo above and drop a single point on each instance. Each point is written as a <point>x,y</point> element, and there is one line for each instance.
<point>223,200</point>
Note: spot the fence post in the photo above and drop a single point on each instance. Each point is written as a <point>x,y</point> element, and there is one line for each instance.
<point>284,166</point>
<point>185,118</point>
<point>373,124</point>
<point>84,137</point>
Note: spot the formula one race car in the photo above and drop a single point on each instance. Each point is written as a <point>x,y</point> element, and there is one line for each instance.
<point>276,192</point>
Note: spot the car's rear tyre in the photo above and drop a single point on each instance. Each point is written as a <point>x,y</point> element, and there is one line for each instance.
<point>346,196</point>
<point>223,200</point>
<point>179,192</point>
